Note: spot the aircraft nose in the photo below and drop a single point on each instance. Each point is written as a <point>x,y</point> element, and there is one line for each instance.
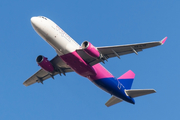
<point>34,21</point>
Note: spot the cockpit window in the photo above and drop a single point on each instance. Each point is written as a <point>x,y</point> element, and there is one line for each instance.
<point>43,17</point>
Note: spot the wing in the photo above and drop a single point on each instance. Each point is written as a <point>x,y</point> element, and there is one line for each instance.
<point>117,51</point>
<point>42,75</point>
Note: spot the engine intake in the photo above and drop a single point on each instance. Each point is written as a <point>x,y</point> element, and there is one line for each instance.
<point>44,63</point>
<point>90,49</point>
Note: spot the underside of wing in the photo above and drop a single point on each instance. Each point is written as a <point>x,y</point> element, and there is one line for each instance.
<point>92,61</point>
<point>117,51</point>
<point>41,75</point>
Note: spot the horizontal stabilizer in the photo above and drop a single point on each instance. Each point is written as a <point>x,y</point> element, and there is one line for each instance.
<point>113,100</point>
<point>139,92</point>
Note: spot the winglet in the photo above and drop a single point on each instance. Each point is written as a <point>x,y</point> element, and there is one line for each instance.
<point>163,40</point>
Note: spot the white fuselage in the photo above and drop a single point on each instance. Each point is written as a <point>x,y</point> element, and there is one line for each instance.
<point>54,35</point>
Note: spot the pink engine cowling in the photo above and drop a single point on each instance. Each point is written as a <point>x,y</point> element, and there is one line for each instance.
<point>90,49</point>
<point>44,63</point>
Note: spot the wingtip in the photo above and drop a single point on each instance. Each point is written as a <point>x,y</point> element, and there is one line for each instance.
<point>24,83</point>
<point>163,40</point>
<point>154,90</point>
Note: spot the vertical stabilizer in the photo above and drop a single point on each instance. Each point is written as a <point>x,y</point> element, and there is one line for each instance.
<point>127,79</point>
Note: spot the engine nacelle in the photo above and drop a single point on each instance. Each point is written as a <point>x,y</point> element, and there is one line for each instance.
<point>44,63</point>
<point>90,49</point>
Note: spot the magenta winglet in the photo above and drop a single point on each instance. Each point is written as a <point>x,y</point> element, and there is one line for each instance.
<point>128,75</point>
<point>163,40</point>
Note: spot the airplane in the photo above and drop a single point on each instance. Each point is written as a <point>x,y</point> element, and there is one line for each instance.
<point>85,60</point>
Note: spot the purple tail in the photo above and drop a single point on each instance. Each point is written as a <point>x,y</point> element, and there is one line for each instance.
<point>127,79</point>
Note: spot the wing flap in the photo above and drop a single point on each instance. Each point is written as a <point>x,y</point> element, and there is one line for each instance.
<point>139,92</point>
<point>113,100</point>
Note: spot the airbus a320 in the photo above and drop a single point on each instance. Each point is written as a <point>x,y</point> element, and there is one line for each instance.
<point>85,60</point>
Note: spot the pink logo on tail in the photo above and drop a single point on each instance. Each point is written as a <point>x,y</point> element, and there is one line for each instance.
<point>128,75</point>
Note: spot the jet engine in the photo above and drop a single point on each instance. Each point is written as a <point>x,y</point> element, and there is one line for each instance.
<point>90,49</point>
<point>44,63</point>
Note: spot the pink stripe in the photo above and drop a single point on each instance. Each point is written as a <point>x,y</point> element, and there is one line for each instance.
<point>101,72</point>
<point>128,75</point>
<point>78,64</point>
<point>82,68</point>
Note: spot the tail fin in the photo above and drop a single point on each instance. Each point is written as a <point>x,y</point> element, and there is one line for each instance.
<point>140,92</point>
<point>127,79</point>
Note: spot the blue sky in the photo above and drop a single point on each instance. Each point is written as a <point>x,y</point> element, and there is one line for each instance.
<point>103,23</point>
